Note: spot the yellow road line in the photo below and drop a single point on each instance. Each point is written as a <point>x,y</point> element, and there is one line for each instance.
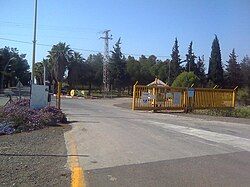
<point>77,172</point>
<point>77,179</point>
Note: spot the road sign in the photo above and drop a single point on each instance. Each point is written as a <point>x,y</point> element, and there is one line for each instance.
<point>145,97</point>
<point>19,84</point>
<point>177,98</point>
<point>190,92</point>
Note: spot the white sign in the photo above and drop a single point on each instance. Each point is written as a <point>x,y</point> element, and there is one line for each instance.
<point>39,96</point>
<point>19,84</point>
<point>145,97</point>
<point>191,92</point>
<point>177,98</point>
<point>169,95</point>
<point>145,94</point>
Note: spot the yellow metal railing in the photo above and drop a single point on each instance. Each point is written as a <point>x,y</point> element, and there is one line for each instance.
<point>168,98</point>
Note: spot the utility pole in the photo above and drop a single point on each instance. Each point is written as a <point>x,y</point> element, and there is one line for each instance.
<point>34,43</point>
<point>44,74</point>
<point>106,38</point>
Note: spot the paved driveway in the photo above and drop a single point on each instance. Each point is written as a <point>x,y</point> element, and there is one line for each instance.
<point>120,147</point>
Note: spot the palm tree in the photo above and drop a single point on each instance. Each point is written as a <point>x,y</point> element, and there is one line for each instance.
<point>74,69</point>
<point>59,57</point>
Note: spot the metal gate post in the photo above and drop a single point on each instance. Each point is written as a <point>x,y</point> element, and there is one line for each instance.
<point>234,96</point>
<point>134,95</point>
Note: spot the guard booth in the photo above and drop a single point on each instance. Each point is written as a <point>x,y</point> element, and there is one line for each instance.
<point>159,96</point>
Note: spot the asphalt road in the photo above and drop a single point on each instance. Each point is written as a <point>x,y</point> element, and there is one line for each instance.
<point>134,148</point>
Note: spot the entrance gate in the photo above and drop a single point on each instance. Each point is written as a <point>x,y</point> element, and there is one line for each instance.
<point>167,98</point>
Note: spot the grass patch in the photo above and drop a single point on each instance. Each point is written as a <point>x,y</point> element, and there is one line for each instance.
<point>240,112</point>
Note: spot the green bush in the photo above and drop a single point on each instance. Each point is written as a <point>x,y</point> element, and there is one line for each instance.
<point>241,112</point>
<point>243,96</point>
<point>185,79</point>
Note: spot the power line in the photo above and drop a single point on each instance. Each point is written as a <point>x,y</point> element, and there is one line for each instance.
<point>46,45</point>
<point>18,41</point>
<point>80,49</point>
<point>80,28</point>
<point>43,36</point>
<point>48,27</point>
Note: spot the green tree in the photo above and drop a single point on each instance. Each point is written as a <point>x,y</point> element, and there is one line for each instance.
<point>185,79</point>
<point>59,56</point>
<point>163,68</point>
<point>38,72</point>
<point>215,70</point>
<point>233,71</point>
<point>201,72</point>
<point>152,60</point>
<point>146,70</point>
<point>74,70</point>
<point>245,71</point>
<point>175,63</point>
<point>117,67</point>
<point>133,69</point>
<point>190,58</point>
<point>93,72</point>
<point>18,68</point>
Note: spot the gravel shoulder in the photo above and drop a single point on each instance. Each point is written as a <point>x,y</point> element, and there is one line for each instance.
<point>36,158</point>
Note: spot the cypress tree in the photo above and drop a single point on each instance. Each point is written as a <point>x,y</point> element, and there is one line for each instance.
<point>233,71</point>
<point>117,67</point>
<point>245,71</point>
<point>175,68</point>
<point>201,71</point>
<point>215,70</point>
<point>190,65</point>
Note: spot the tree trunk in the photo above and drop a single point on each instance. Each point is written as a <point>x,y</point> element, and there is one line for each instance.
<point>59,95</point>
<point>89,92</point>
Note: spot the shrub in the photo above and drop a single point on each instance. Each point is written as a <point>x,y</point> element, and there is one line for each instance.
<point>185,79</point>
<point>25,118</point>
<point>52,115</point>
<point>17,111</point>
<point>241,112</point>
<point>243,96</point>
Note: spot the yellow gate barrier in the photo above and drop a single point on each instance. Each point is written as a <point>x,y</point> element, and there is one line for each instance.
<point>155,98</point>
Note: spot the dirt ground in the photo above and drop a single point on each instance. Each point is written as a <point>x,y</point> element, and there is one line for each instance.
<point>36,158</point>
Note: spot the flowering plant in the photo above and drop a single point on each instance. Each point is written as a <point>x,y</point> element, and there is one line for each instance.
<point>24,118</point>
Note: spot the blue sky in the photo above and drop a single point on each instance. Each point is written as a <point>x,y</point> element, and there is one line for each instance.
<point>145,26</point>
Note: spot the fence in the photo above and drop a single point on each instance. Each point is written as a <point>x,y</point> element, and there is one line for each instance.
<point>168,98</point>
